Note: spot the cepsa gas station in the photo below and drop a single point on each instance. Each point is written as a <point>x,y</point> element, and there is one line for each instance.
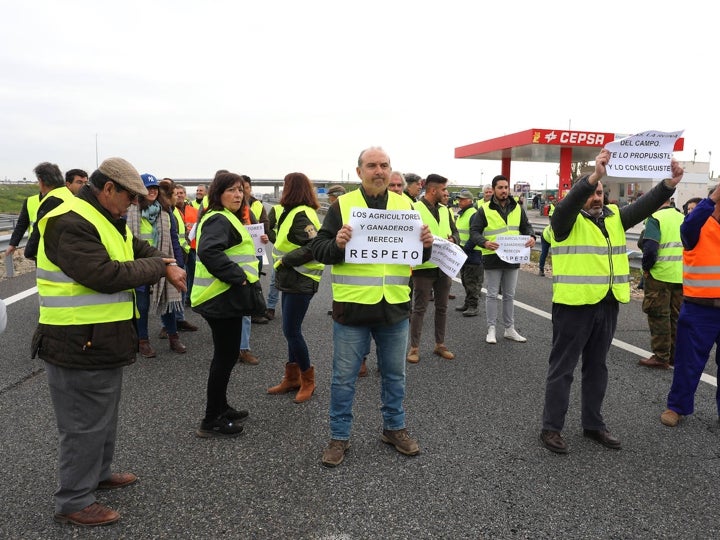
<point>545,146</point>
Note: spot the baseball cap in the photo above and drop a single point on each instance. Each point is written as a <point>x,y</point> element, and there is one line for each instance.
<point>122,172</point>
<point>149,180</point>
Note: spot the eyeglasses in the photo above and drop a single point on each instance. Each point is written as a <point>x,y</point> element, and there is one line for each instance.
<point>130,193</point>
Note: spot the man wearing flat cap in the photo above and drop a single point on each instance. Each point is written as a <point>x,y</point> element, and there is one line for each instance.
<point>334,192</point>
<point>88,264</point>
<point>471,273</point>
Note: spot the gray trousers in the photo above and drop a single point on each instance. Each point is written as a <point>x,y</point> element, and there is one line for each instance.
<point>86,409</point>
<point>497,279</point>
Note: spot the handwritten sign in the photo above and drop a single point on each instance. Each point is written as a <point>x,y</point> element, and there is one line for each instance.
<point>384,236</point>
<point>448,256</point>
<point>645,155</point>
<point>256,231</point>
<point>512,248</point>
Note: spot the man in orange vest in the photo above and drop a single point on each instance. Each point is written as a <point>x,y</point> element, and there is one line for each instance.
<point>698,326</point>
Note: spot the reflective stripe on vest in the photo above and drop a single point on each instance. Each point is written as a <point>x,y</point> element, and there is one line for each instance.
<point>370,283</point>
<point>463,225</point>
<point>63,301</point>
<point>441,228</point>
<point>283,245</point>
<point>181,230</point>
<point>586,265</point>
<point>701,265</point>
<point>496,225</point>
<point>206,285</point>
<point>146,230</point>
<point>668,267</point>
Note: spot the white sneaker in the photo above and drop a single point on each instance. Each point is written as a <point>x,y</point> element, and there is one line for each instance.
<point>490,338</point>
<point>511,333</point>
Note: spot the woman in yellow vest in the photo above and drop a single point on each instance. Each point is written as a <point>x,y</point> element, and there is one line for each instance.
<point>226,262</point>
<point>148,221</point>
<point>297,275</point>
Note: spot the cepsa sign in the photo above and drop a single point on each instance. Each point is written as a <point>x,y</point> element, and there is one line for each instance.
<point>575,138</point>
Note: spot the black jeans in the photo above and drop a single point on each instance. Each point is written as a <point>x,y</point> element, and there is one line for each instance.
<point>226,335</point>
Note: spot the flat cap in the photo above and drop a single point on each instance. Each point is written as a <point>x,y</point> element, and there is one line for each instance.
<point>336,190</point>
<point>465,194</point>
<point>122,172</point>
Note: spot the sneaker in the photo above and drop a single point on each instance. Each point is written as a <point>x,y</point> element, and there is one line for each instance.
<point>220,427</point>
<point>413,356</point>
<point>234,415</point>
<point>401,440</point>
<point>670,418</point>
<point>246,357</point>
<point>334,454</point>
<point>443,352</point>
<point>471,312</point>
<point>490,338</point>
<point>511,334</point>
<point>163,333</point>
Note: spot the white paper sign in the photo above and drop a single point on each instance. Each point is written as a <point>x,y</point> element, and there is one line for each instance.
<point>448,256</point>
<point>645,155</point>
<point>512,248</point>
<point>256,231</point>
<point>384,236</point>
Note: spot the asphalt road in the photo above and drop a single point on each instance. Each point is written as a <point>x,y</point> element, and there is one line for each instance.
<point>481,474</point>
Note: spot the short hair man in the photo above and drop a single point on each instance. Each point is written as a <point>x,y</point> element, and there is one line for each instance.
<point>380,312</point>
<point>75,179</point>
<point>52,193</point>
<point>413,187</point>
<point>591,277</point>
<point>501,216</point>
<point>487,195</point>
<point>428,278</point>
<point>88,265</point>
<point>200,193</point>
<point>397,182</point>
<point>662,274</point>
<point>471,273</point>
<point>334,192</point>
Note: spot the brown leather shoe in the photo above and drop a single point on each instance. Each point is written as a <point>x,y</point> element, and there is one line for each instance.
<point>176,345</point>
<point>413,356</point>
<point>270,314</point>
<point>90,516</point>
<point>259,319</point>
<point>246,357</point>
<point>118,480</point>
<point>185,326</point>
<point>670,418</point>
<point>654,362</point>
<point>553,441</point>
<point>363,369</point>
<point>443,352</point>
<point>604,437</point>
<point>146,349</point>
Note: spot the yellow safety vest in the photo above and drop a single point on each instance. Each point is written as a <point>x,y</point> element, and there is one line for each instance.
<point>63,301</point>
<point>463,226</point>
<point>496,225</point>
<point>283,245</point>
<point>441,228</point>
<point>586,265</point>
<point>668,267</point>
<point>184,245</point>
<point>256,208</point>
<point>370,283</point>
<point>206,285</point>
<point>32,205</point>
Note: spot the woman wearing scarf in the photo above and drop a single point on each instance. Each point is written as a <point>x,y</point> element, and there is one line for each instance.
<point>149,221</point>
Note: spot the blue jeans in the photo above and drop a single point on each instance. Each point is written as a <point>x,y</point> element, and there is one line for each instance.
<point>350,344</point>
<point>245,338</point>
<point>142,296</point>
<point>545,249</point>
<point>294,308</point>
<point>272,298</point>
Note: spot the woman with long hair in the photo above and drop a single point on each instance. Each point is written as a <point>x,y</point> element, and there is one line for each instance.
<point>226,262</point>
<point>149,221</point>
<point>297,276</point>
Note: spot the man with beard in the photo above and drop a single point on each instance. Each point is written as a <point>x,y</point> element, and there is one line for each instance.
<point>591,279</point>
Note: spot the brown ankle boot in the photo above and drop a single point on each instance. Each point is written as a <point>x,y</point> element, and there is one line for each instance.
<point>307,385</point>
<point>291,380</point>
<point>146,349</point>
<point>175,344</point>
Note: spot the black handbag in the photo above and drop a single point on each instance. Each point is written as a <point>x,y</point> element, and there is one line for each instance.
<point>252,299</point>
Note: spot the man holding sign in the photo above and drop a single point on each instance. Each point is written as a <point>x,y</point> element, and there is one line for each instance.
<point>591,278</point>
<point>370,300</point>
<point>501,216</point>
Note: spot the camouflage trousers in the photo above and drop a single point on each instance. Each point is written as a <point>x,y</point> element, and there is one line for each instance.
<point>471,276</point>
<point>662,305</point>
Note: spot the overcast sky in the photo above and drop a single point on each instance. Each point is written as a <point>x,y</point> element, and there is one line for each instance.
<point>265,88</point>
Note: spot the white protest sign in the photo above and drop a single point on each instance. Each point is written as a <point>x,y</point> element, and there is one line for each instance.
<point>384,236</point>
<point>512,248</point>
<point>645,155</point>
<point>448,256</point>
<point>256,231</point>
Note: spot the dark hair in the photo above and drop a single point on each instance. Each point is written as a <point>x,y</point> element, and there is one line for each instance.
<point>50,174</point>
<point>695,200</point>
<point>435,179</point>
<point>247,179</point>
<point>297,191</point>
<point>498,178</point>
<point>166,190</point>
<point>72,173</point>
<point>98,180</point>
<point>411,178</point>
<point>221,171</point>
<point>222,181</point>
